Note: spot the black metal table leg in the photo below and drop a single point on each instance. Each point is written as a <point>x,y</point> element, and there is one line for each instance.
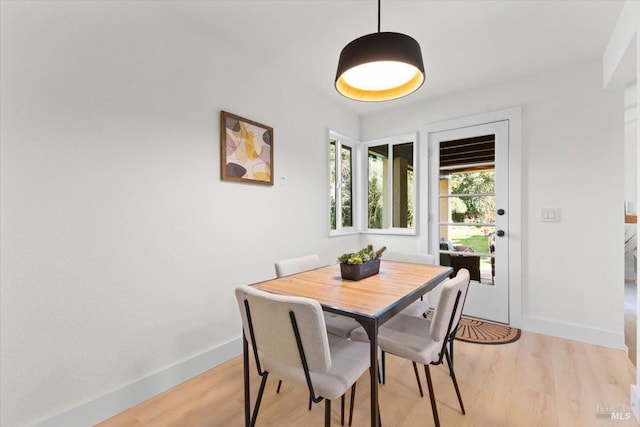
<point>373,341</point>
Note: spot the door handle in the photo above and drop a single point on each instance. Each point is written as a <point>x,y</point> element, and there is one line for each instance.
<point>500,212</point>
<point>500,233</point>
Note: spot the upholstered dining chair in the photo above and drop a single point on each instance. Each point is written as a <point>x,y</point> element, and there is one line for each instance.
<point>420,307</point>
<point>288,337</point>
<point>337,325</point>
<point>287,267</point>
<point>416,308</point>
<point>425,341</point>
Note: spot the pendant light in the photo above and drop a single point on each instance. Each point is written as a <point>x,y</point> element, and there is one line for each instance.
<point>380,67</point>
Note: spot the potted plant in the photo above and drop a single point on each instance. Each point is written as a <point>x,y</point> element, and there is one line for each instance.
<point>361,264</point>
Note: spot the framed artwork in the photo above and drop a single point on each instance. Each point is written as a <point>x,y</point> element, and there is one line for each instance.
<point>246,150</point>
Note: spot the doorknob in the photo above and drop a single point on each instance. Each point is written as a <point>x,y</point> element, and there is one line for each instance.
<point>501,212</point>
<point>500,233</point>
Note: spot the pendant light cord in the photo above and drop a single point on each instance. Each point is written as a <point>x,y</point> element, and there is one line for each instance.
<point>378,15</point>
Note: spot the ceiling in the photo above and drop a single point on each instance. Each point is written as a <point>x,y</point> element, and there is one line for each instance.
<point>465,44</point>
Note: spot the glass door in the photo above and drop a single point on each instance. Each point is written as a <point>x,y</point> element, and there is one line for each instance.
<point>469,173</point>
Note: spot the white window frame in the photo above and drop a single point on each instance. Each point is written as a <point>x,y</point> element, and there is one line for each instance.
<point>390,141</point>
<point>356,193</point>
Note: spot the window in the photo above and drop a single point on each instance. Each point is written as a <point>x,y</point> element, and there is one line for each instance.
<point>341,183</point>
<point>372,186</point>
<point>391,184</point>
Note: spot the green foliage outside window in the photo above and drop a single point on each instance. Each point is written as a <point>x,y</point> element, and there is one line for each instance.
<point>375,191</point>
<point>473,208</point>
<point>345,189</point>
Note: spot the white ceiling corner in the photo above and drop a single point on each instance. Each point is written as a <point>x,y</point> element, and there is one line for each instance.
<point>465,44</point>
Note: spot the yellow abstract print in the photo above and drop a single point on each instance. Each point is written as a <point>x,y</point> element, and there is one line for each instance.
<point>247,150</point>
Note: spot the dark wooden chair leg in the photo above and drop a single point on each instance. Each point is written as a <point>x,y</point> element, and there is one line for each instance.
<point>279,385</point>
<point>383,364</point>
<point>342,410</point>
<point>432,396</point>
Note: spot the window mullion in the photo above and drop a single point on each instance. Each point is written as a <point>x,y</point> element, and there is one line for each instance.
<point>338,189</point>
<point>390,172</point>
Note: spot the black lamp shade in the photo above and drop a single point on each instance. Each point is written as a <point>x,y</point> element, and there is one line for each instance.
<point>378,48</point>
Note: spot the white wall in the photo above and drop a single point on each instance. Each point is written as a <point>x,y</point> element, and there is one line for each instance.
<point>572,146</point>
<point>120,245</point>
<point>630,179</point>
<point>621,65</point>
<point>630,146</point>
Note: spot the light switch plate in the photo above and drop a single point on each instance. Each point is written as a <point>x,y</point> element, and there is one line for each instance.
<point>550,214</point>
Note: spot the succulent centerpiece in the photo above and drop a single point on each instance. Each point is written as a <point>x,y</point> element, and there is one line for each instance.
<point>361,264</point>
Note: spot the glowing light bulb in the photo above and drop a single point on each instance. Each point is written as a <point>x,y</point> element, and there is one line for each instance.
<point>380,75</point>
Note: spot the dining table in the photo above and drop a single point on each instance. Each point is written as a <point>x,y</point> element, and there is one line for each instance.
<point>370,301</point>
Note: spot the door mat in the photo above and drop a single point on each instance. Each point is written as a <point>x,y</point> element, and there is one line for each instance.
<point>479,332</point>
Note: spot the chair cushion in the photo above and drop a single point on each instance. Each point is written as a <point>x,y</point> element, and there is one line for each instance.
<point>416,308</point>
<point>349,360</point>
<point>341,326</point>
<point>405,336</point>
<point>419,339</point>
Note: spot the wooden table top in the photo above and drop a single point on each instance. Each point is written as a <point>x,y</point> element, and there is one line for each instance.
<point>371,296</point>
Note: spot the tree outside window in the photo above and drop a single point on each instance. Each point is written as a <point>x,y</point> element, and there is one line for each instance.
<point>341,183</point>
<point>390,189</point>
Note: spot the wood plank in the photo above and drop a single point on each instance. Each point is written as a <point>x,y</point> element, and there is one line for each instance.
<point>367,296</point>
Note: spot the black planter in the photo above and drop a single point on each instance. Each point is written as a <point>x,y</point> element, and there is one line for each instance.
<point>360,271</point>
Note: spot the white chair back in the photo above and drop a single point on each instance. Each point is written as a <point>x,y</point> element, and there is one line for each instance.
<point>291,266</point>
<point>268,322</point>
<point>414,258</point>
<point>444,311</point>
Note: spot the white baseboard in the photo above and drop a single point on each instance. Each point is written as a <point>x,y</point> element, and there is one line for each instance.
<point>104,407</point>
<point>572,332</point>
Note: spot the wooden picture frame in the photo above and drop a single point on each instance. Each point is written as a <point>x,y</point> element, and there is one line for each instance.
<point>246,150</point>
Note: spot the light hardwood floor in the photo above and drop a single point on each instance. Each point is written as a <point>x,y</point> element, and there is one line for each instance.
<point>536,381</point>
